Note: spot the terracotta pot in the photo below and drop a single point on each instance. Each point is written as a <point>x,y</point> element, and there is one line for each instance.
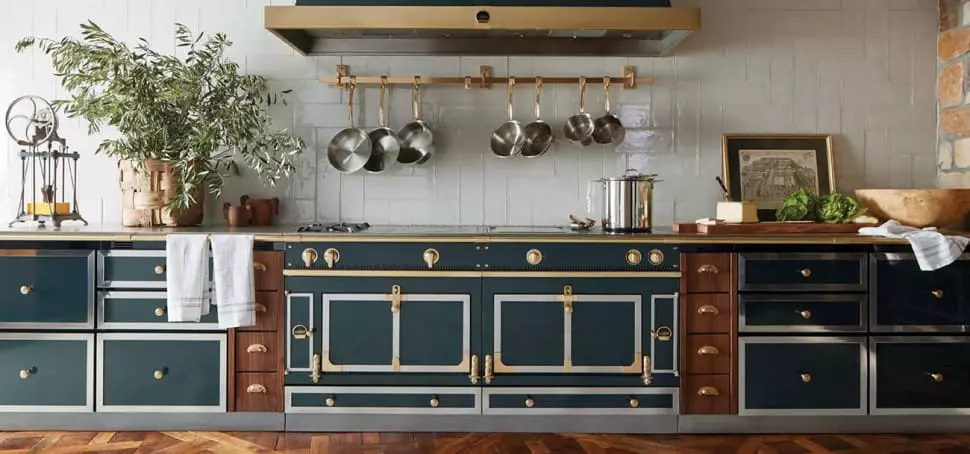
<point>263,210</point>
<point>146,189</point>
<point>237,216</point>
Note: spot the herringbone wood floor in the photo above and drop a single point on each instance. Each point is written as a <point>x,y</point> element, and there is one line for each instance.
<point>389,443</point>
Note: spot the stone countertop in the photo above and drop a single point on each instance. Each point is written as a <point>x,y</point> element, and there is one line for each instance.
<point>433,233</point>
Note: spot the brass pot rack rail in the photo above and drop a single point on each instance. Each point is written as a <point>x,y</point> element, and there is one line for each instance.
<point>484,80</point>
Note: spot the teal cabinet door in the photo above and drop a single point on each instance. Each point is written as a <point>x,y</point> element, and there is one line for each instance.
<point>170,372</point>
<point>47,289</point>
<point>380,331</point>
<point>561,331</point>
<point>121,310</point>
<point>46,372</point>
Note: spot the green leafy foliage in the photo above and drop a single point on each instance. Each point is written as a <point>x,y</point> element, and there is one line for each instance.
<point>834,208</point>
<point>198,112</point>
<point>800,205</point>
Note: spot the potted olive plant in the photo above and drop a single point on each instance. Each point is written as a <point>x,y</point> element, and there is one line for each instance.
<point>183,120</point>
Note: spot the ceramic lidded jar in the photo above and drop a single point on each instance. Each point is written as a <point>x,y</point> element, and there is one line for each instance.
<point>263,210</point>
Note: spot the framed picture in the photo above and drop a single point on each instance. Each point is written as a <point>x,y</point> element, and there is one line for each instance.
<point>766,168</point>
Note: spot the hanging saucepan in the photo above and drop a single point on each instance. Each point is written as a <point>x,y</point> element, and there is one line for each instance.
<point>417,139</point>
<point>509,138</point>
<point>385,143</point>
<point>538,134</point>
<point>579,128</point>
<point>350,149</point>
<point>608,129</point>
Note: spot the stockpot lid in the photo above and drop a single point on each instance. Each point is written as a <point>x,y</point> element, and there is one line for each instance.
<point>633,175</point>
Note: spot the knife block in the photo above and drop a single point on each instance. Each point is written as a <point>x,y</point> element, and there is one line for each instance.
<point>737,212</point>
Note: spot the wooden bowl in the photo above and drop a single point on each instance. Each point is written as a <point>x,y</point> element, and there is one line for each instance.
<point>917,207</point>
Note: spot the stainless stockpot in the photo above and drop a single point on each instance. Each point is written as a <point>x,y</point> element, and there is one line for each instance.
<point>628,202</point>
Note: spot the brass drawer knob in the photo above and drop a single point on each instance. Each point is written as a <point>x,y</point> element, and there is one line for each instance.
<point>256,389</point>
<point>708,350</point>
<point>259,267</point>
<point>434,402</point>
<point>704,269</point>
<point>260,307</point>
<point>24,374</point>
<point>708,391</point>
<point>330,401</point>
<point>331,256</point>
<point>805,314</point>
<point>431,257</point>
<point>633,257</point>
<point>159,311</point>
<point>256,348</point>
<point>634,403</point>
<point>159,270</point>
<point>533,257</point>
<point>655,257</point>
<point>159,374</point>
<point>708,309</point>
<point>309,256</point>
<point>937,293</point>
<point>806,272</point>
<point>26,289</point>
<point>936,377</point>
<point>806,378</point>
<point>529,403</point>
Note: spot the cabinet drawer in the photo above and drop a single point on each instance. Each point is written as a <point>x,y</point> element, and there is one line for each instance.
<point>389,256</point>
<point>131,269</point>
<point>582,257</point>
<point>802,376</point>
<point>580,401</point>
<point>802,313</point>
<point>269,306</point>
<point>46,372</point>
<point>905,298</point>
<point>257,352</point>
<point>708,272</point>
<point>383,400</point>
<point>801,272</point>
<point>259,392</point>
<point>47,289</point>
<point>145,310</point>
<point>161,372</point>
<point>708,313</point>
<point>267,269</point>
<point>708,395</point>
<point>920,375</point>
<point>709,354</point>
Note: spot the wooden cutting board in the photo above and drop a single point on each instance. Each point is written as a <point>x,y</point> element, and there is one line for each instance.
<point>771,228</point>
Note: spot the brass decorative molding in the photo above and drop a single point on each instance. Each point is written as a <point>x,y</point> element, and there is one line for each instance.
<point>389,273</point>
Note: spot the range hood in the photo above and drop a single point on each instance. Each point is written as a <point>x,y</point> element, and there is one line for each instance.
<point>322,27</point>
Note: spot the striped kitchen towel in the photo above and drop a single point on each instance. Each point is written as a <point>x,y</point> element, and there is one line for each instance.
<point>933,249</point>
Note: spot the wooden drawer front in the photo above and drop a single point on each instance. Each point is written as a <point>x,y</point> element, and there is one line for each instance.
<point>259,392</point>
<point>802,376</point>
<point>580,401</point>
<point>924,375</point>
<point>582,257</point>
<point>389,256</point>
<point>709,354</point>
<point>46,372</point>
<point>708,272</point>
<point>145,310</point>
<point>801,272</point>
<point>708,313</point>
<point>708,395</point>
<point>47,289</point>
<point>269,306</point>
<point>383,400</point>
<point>267,269</point>
<point>802,313</point>
<point>905,298</point>
<point>161,372</point>
<point>257,352</point>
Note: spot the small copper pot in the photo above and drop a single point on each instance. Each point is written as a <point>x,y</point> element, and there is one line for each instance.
<point>237,216</point>
<point>263,209</point>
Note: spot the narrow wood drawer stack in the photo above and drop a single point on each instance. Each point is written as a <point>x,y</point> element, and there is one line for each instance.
<point>709,331</point>
<point>258,350</point>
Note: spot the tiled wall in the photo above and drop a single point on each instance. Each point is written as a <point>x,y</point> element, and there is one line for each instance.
<point>863,70</point>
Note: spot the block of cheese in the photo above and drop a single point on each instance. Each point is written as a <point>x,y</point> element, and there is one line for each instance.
<point>737,212</point>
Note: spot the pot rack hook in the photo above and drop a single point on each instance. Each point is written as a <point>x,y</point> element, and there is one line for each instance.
<point>468,82</point>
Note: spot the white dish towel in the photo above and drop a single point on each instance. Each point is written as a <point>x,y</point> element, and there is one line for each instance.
<point>933,249</point>
<point>232,266</point>
<point>187,277</point>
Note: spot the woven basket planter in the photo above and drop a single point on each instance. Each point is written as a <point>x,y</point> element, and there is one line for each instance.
<point>145,190</point>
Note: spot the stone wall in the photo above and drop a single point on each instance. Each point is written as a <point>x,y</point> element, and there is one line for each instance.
<point>953,93</point>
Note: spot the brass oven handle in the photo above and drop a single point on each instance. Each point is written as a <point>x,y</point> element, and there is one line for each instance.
<point>256,388</point>
<point>25,290</point>
<point>431,257</point>
<point>806,272</point>
<point>331,256</point>
<point>301,332</point>
<point>259,267</point>
<point>315,374</point>
<point>159,374</point>
<point>473,374</point>
<point>260,307</point>
<point>395,298</point>
<point>529,403</point>
<point>708,269</point>
<point>533,257</point>
<point>159,311</point>
<point>634,403</point>
<point>708,309</point>
<point>25,373</point>
<point>309,256</point>
<point>708,391</point>
<point>567,299</point>
<point>937,377</point>
<point>633,257</point>
<point>489,375</point>
<point>256,348</point>
<point>708,350</point>
<point>647,375</point>
<point>805,314</point>
<point>159,270</point>
<point>806,378</point>
<point>434,402</point>
<point>937,293</point>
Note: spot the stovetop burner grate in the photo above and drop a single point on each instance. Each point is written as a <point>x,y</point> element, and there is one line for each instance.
<point>334,227</point>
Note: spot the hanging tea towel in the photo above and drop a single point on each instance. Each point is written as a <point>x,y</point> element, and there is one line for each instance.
<point>187,277</point>
<point>933,249</point>
<point>233,282</point>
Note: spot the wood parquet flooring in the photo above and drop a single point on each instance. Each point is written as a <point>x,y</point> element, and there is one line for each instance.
<point>407,443</point>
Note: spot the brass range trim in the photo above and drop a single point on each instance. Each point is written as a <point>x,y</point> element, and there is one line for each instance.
<point>479,274</point>
<point>582,274</point>
<point>362,273</point>
<point>342,79</point>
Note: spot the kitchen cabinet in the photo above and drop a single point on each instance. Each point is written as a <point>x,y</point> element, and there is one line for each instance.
<point>47,289</point>
<point>925,375</point>
<point>906,299</point>
<point>46,372</point>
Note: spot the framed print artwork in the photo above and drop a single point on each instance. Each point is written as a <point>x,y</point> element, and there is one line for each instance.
<point>766,168</point>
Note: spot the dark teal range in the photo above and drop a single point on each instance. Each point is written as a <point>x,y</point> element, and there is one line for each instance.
<point>385,256</point>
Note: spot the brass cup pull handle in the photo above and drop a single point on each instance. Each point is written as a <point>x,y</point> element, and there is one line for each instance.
<point>434,402</point>
<point>806,378</point>
<point>806,272</point>
<point>708,309</point>
<point>633,257</point>
<point>25,373</point>
<point>256,348</point>
<point>805,314</point>
<point>301,332</point>
<point>529,403</point>
<point>26,289</point>
<point>937,293</point>
<point>159,270</point>
<point>533,257</point>
<point>260,307</point>
<point>331,256</point>
<point>708,350</point>
<point>473,374</point>
<point>256,389</point>
<point>936,377</point>
<point>634,403</point>
<point>159,374</point>
<point>259,267</point>
<point>330,401</point>
<point>309,256</point>
<point>159,311</point>
<point>708,391</point>
<point>704,269</point>
<point>663,334</point>
<point>431,257</point>
<point>489,367</point>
